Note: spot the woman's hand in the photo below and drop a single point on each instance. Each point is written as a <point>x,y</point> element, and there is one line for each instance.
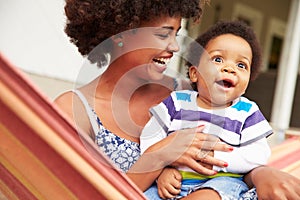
<point>187,147</point>
<point>273,184</point>
<point>194,149</point>
<point>169,183</point>
<point>181,148</point>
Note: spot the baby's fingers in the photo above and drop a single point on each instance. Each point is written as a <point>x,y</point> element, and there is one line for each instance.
<point>168,193</point>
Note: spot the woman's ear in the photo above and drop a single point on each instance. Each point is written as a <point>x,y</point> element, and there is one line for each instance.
<point>193,73</point>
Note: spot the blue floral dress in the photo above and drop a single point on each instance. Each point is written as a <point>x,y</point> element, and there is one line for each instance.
<point>122,152</point>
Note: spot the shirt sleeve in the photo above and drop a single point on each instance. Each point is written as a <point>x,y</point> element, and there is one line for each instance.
<point>152,133</point>
<point>255,127</point>
<point>158,126</point>
<point>243,159</point>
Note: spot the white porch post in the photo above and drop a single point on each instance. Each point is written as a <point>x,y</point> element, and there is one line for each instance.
<point>287,73</point>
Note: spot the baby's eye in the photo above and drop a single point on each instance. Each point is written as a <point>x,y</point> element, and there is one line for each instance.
<point>217,59</point>
<point>242,65</point>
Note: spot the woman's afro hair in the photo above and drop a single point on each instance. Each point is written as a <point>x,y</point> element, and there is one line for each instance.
<point>90,22</point>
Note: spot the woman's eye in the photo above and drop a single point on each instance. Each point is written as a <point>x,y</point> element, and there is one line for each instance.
<point>163,36</point>
<point>217,59</point>
<point>242,65</point>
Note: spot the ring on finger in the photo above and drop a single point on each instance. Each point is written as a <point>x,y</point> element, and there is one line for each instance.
<point>202,154</point>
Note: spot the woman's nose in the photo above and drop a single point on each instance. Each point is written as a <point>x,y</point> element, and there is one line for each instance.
<point>173,45</point>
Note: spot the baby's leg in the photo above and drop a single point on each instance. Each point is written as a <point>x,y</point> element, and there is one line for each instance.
<point>203,194</point>
<point>220,188</point>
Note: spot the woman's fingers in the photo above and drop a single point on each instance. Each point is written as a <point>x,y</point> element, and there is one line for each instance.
<point>210,142</point>
<point>286,190</point>
<point>200,168</point>
<point>220,146</point>
<point>211,161</point>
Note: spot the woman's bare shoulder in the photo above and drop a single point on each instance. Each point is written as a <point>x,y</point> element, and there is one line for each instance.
<point>64,98</point>
<point>71,104</point>
<point>65,101</point>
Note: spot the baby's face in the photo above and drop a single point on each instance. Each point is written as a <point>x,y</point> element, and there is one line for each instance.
<point>224,70</point>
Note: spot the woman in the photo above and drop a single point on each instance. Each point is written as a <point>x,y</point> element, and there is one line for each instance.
<point>140,38</point>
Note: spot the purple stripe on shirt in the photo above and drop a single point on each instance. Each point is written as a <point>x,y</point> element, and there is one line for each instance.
<point>223,122</point>
<point>169,103</point>
<point>253,119</point>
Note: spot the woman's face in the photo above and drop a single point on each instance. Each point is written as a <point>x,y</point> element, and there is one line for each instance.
<point>224,70</point>
<point>148,49</point>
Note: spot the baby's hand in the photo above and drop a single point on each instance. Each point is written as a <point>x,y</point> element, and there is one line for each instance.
<point>169,183</point>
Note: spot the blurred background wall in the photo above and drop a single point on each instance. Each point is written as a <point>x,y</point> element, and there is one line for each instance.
<point>32,37</point>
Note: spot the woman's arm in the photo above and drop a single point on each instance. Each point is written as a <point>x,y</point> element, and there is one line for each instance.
<point>272,184</point>
<point>178,149</point>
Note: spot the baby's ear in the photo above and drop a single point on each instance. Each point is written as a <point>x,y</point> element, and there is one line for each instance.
<point>193,73</point>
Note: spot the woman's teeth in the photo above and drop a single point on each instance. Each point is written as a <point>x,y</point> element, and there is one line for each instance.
<point>161,61</point>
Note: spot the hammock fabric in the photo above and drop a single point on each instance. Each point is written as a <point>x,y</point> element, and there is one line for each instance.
<point>41,153</point>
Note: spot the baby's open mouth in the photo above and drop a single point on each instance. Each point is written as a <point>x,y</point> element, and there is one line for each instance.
<point>225,83</point>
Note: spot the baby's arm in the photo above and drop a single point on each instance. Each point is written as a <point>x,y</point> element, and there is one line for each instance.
<point>243,159</point>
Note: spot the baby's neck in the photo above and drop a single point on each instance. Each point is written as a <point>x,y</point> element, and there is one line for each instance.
<point>206,104</point>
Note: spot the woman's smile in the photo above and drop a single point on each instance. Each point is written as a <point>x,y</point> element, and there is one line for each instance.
<point>161,63</point>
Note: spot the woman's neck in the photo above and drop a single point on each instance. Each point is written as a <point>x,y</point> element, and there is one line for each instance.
<point>118,82</point>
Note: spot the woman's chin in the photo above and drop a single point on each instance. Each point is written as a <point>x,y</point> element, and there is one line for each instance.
<point>156,72</point>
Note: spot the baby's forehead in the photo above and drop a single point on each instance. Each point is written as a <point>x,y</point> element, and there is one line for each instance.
<point>227,42</point>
